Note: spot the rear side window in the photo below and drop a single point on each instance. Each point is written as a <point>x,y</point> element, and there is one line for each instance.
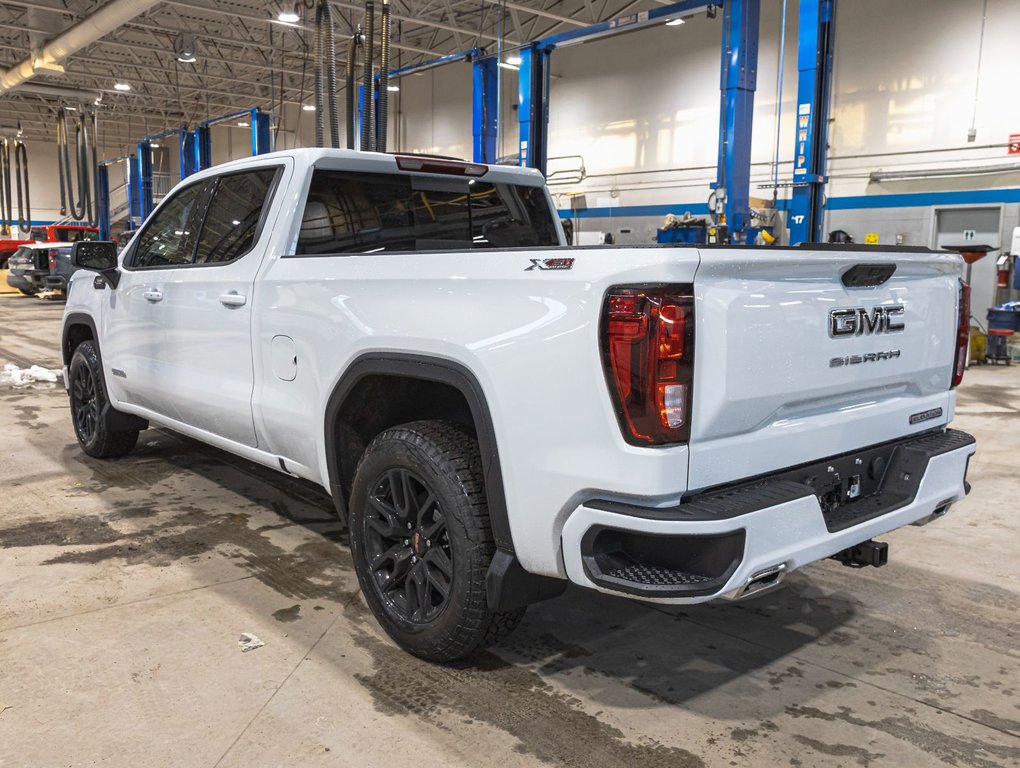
<point>168,239</point>
<point>370,212</point>
<point>232,221</point>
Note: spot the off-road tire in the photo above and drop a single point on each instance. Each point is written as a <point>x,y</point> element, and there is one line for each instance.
<point>27,292</point>
<point>87,393</point>
<point>443,462</point>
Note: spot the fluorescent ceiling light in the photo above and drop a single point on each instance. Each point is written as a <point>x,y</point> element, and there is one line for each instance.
<point>393,88</point>
<point>674,22</point>
<point>190,59</point>
<point>288,17</point>
<point>244,124</point>
<point>308,107</point>
<point>508,65</point>
<point>122,86</point>
<point>154,145</point>
<point>71,109</point>
<point>515,60</point>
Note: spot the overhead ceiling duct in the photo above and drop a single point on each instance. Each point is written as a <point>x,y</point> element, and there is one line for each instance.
<point>87,31</point>
<point>57,92</point>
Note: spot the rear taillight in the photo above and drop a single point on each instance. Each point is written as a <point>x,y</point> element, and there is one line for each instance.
<point>648,355</point>
<point>53,261</point>
<point>962,334</point>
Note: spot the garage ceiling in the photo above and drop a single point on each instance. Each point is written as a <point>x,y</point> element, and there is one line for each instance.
<point>245,57</point>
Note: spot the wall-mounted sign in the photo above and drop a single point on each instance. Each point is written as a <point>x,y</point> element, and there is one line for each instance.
<point>1014,144</point>
<point>871,238</point>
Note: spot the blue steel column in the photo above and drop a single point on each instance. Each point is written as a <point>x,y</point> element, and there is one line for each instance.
<point>533,107</point>
<point>485,109</point>
<point>814,63</point>
<point>738,80</point>
<point>189,153</point>
<point>260,137</point>
<point>134,191</point>
<point>203,147</point>
<point>103,201</point>
<point>145,177</point>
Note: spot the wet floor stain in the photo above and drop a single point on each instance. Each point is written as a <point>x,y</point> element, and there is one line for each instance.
<point>859,755</point>
<point>926,736</point>
<point>71,532</point>
<point>287,615</point>
<point>547,724</point>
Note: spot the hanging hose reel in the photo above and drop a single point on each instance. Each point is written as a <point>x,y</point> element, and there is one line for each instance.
<point>19,169</point>
<point>83,172</point>
<point>324,54</point>
<point>6,202</point>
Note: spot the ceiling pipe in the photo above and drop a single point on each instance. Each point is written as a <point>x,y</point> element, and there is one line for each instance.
<point>85,32</point>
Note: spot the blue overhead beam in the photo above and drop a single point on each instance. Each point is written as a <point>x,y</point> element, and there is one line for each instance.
<point>740,64</point>
<point>815,43</point>
<point>737,82</point>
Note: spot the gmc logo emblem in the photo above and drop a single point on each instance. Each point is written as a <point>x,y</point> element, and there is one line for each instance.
<point>859,322</point>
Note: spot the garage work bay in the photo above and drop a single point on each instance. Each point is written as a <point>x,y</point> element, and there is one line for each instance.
<point>126,585</point>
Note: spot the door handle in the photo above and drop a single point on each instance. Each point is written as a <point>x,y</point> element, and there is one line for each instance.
<point>233,299</point>
<point>153,295</point>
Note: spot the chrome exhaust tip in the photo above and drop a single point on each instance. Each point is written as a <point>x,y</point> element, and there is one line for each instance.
<point>762,581</point>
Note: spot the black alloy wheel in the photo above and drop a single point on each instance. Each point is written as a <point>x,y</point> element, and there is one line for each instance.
<point>422,541</point>
<point>90,407</point>
<point>84,404</point>
<point>408,547</point>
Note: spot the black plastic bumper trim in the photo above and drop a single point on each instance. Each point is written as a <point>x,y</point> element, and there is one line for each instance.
<point>897,468</point>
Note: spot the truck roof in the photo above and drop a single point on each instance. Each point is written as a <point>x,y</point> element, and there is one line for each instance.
<point>377,162</point>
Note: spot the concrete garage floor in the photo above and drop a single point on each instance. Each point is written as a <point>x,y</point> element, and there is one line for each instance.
<point>124,587</point>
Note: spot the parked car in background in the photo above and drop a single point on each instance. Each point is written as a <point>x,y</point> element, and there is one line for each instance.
<point>48,233</point>
<point>38,266</point>
<point>63,233</point>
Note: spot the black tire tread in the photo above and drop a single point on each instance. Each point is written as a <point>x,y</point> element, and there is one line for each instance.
<point>108,444</point>
<point>454,450</point>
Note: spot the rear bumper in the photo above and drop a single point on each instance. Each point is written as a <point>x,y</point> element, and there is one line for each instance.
<point>715,544</point>
<point>21,281</point>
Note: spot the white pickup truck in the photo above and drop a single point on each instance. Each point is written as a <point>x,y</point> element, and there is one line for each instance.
<point>495,414</point>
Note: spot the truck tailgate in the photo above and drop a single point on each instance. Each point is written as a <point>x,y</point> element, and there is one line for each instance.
<point>780,381</point>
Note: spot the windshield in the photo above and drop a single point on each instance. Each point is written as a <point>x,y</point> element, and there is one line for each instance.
<point>370,213</point>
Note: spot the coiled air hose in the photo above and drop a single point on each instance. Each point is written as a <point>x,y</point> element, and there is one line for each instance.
<point>324,53</point>
<point>381,122</point>
<point>6,203</point>
<point>21,184</point>
<point>350,72</point>
<point>368,109</point>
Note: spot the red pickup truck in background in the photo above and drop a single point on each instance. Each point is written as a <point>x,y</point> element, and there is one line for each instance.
<point>48,233</point>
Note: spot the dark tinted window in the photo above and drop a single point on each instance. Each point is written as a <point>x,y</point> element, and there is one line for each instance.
<point>168,239</point>
<point>232,220</point>
<point>73,235</point>
<point>367,213</point>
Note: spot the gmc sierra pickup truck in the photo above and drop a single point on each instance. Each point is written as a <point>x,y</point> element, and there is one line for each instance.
<point>495,414</point>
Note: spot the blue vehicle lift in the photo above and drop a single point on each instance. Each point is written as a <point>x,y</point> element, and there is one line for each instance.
<point>195,155</point>
<point>143,189</point>
<point>261,142</point>
<point>737,85</point>
<point>815,46</point>
<point>484,90</point>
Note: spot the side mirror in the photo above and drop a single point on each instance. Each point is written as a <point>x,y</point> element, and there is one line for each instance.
<point>96,255</point>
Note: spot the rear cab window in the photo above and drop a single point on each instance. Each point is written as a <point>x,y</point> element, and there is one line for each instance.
<point>367,212</point>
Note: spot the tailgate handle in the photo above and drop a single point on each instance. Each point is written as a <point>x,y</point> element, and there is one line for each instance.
<point>867,275</point>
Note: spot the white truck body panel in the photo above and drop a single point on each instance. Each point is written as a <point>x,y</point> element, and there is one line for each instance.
<point>255,379</point>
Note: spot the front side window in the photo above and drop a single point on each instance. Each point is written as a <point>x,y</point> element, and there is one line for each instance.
<point>370,212</point>
<point>168,239</point>
<point>232,220</point>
